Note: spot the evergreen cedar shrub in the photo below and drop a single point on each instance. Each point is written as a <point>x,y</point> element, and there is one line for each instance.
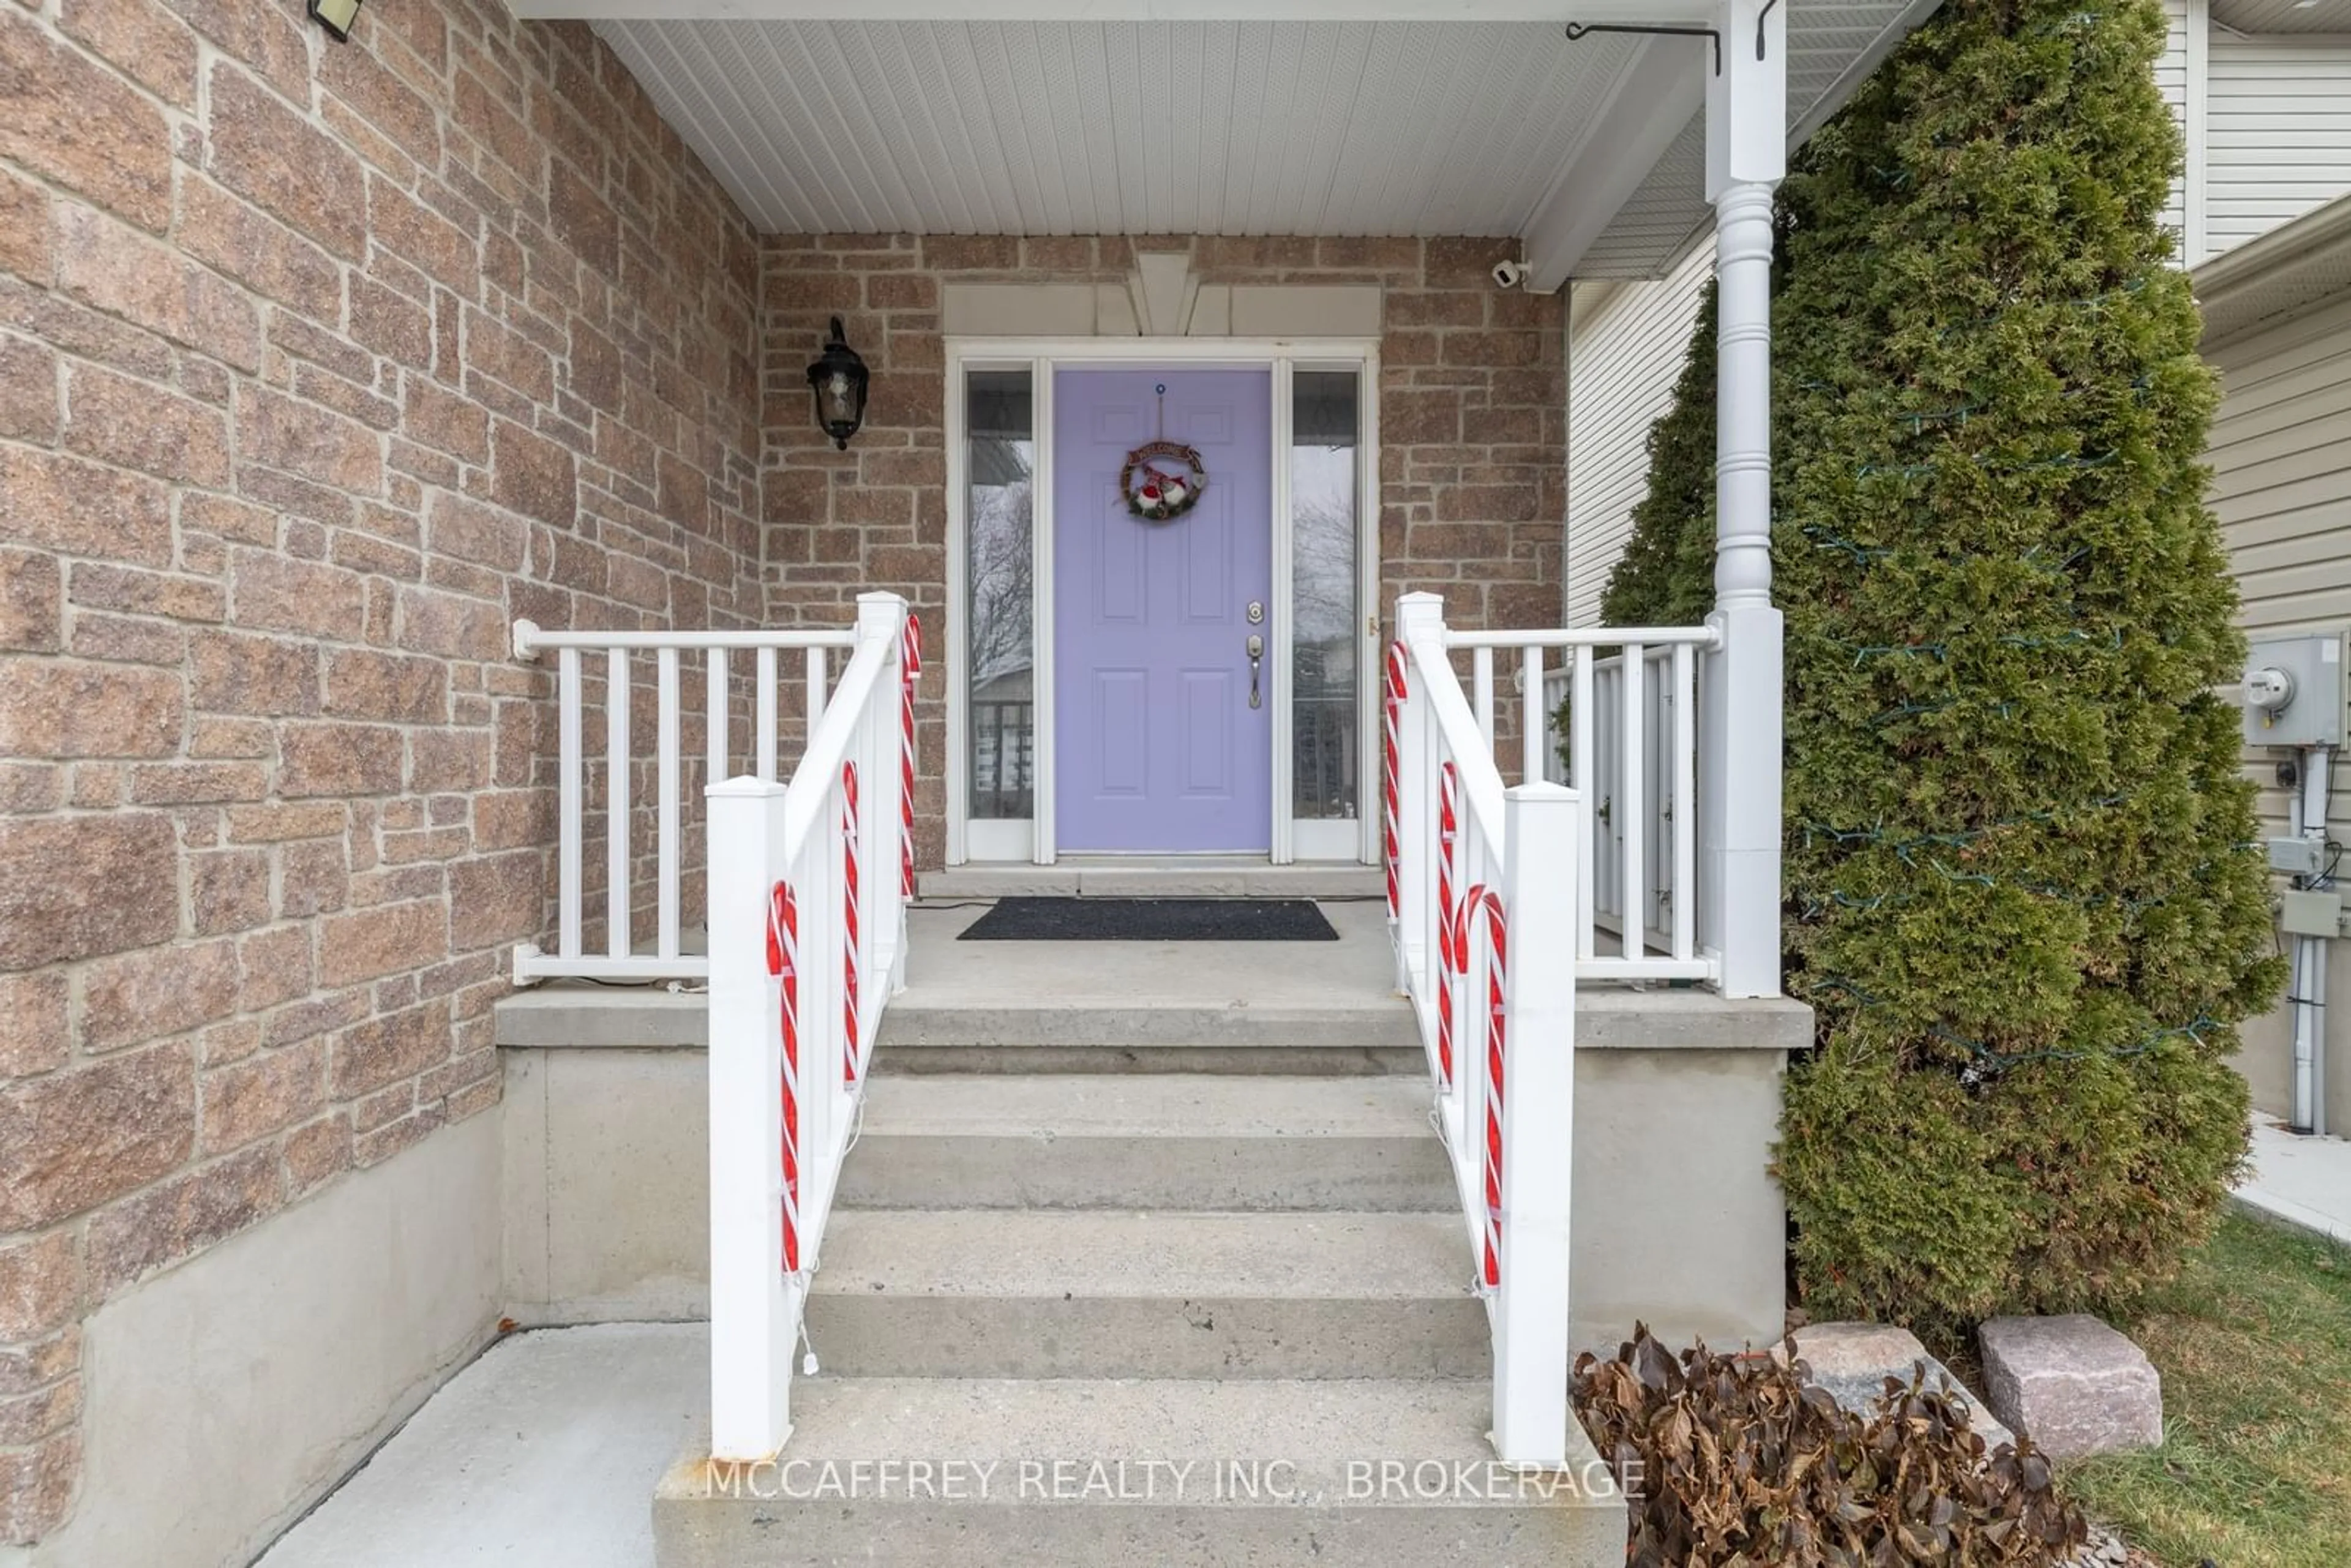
<point>1740,1462</point>
<point>2020,888</point>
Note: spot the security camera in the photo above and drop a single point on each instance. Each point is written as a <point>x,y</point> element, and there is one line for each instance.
<point>1508,275</point>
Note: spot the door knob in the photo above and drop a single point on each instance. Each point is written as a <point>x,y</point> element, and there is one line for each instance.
<point>1257,657</point>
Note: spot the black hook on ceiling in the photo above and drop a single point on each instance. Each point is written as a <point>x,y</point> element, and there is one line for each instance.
<point>1576,30</point>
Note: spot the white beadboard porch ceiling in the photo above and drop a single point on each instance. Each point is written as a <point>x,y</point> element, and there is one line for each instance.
<point>1071,124</point>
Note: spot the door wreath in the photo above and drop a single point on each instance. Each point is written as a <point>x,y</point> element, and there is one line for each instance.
<point>1154,494</point>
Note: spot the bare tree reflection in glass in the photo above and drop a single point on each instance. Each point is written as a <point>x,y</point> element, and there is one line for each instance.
<point>1324,611</point>
<point>1001,465</point>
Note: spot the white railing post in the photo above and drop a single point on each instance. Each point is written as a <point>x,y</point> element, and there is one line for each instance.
<point>668,854</point>
<point>750,1315</point>
<point>1632,809</point>
<point>1530,1310</point>
<point>617,821</point>
<point>881,618</point>
<point>571,815</point>
<point>1418,616</point>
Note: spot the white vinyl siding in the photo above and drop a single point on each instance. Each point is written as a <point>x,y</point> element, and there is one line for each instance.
<point>2281,456</point>
<point>1622,366</point>
<point>2279,131</point>
<point>2171,77</point>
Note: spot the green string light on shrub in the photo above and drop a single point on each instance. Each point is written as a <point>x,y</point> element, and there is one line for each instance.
<point>1989,1060</point>
<point>1957,839</point>
<point>2086,302</point>
<point>1983,460</point>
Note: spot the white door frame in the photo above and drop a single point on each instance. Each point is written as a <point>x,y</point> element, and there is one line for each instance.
<point>1009,841</point>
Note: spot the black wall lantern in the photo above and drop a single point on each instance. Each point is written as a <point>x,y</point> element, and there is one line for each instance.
<point>336,16</point>
<point>837,379</point>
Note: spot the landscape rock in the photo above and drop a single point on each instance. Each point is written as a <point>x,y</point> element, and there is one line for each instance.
<point>2072,1383</point>
<point>1852,1361</point>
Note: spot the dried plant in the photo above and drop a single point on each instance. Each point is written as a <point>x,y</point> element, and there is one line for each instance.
<point>1742,1462</point>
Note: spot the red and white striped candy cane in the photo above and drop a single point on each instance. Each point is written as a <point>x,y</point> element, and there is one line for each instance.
<point>784,963</point>
<point>910,665</point>
<point>849,919</point>
<point>1452,927</point>
<point>1392,771</point>
<point>1485,900</point>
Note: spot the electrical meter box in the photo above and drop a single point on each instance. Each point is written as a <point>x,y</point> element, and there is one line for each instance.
<point>2294,691</point>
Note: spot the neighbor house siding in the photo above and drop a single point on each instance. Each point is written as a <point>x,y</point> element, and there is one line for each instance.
<point>1622,366</point>
<point>2281,454</point>
<point>2279,129</point>
<point>2171,78</point>
<point>320,364</point>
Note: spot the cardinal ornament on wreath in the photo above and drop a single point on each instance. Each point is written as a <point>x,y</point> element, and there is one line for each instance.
<point>1154,494</point>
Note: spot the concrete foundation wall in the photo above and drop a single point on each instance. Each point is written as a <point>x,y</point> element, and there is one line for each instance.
<point>1676,1221</point>
<point>2266,1058</point>
<point>607,1186</point>
<point>225,1397</point>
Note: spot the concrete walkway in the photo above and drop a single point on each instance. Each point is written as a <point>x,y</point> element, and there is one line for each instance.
<point>544,1451</point>
<point>2304,1181</point>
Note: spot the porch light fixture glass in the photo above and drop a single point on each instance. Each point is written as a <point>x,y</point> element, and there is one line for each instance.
<point>837,379</point>
<point>336,16</point>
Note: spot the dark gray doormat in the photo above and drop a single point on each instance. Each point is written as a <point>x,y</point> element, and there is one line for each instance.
<point>1151,920</point>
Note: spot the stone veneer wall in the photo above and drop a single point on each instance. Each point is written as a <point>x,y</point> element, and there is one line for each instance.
<point>318,364</point>
<point>1472,421</point>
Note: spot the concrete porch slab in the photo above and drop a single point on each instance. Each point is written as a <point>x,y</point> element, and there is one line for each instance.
<point>1195,999</point>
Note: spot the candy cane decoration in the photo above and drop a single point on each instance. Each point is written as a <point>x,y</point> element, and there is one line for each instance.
<point>910,665</point>
<point>1393,772</point>
<point>784,963</point>
<point>849,919</point>
<point>1485,900</point>
<point>1452,925</point>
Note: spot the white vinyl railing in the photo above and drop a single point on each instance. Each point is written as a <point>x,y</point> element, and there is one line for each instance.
<point>1479,875</point>
<point>809,885</point>
<point>621,656</point>
<point>1633,745</point>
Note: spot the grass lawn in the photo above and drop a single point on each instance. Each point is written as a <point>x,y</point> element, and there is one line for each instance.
<point>2254,1346</point>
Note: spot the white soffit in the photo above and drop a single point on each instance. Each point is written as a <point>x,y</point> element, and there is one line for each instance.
<point>2284,274</point>
<point>2284,16</point>
<point>1219,127</point>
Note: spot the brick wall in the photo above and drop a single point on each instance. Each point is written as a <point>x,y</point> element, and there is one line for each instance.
<point>1472,420</point>
<point>318,364</point>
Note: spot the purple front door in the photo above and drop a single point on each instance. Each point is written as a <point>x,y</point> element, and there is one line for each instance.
<point>1163,736</point>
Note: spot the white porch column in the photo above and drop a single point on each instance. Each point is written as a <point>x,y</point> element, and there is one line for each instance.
<point>1740,746</point>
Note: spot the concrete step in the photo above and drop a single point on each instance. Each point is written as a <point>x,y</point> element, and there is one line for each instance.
<point>1293,1007</point>
<point>1147,1140</point>
<point>1072,1293</point>
<point>1173,1473</point>
<point>1343,1036</point>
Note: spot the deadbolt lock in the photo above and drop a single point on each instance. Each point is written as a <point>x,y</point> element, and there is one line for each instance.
<point>1256,611</point>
